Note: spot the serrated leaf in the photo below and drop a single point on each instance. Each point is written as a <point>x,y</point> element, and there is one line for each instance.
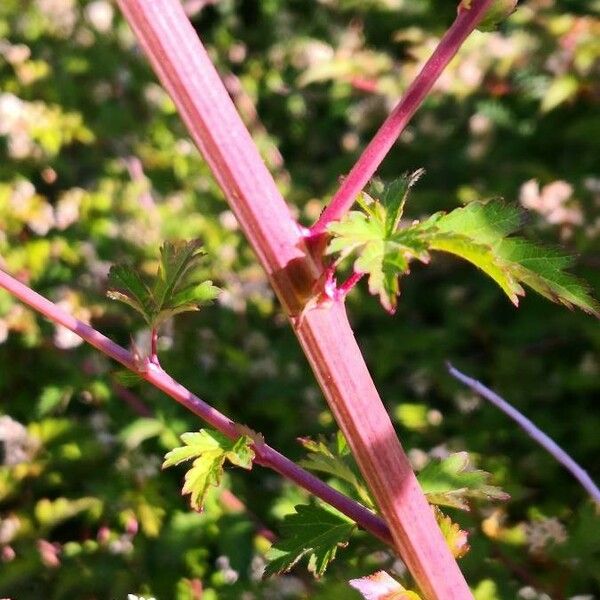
<point>384,253</point>
<point>382,586</point>
<point>128,287</point>
<point>481,256</point>
<point>393,198</point>
<point>452,481</point>
<point>485,223</point>
<point>175,288</point>
<point>334,458</point>
<point>477,233</point>
<point>177,259</point>
<point>542,269</point>
<point>456,538</point>
<point>312,531</point>
<point>210,449</point>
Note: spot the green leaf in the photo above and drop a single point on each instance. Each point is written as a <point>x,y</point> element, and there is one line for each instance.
<point>335,459</point>
<point>542,269</point>
<point>477,233</point>
<point>481,256</point>
<point>456,538</point>
<point>312,531</point>
<point>384,252</point>
<point>210,449</point>
<point>177,260</point>
<point>484,223</point>
<point>393,198</point>
<point>495,14</point>
<point>453,481</point>
<point>175,290</point>
<point>128,287</point>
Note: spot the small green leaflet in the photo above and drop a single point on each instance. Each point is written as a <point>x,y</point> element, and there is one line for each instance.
<point>384,251</point>
<point>496,13</point>
<point>452,482</point>
<point>175,289</point>
<point>209,449</point>
<point>312,531</point>
<point>478,233</point>
<point>335,459</point>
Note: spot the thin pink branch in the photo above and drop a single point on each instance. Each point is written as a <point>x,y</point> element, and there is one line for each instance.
<point>532,430</point>
<point>153,373</point>
<point>372,156</point>
<point>345,288</point>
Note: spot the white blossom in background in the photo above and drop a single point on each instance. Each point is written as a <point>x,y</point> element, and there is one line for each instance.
<point>100,14</point>
<point>66,211</point>
<point>60,15</point>
<point>69,301</point>
<point>543,533</point>
<point>15,444</point>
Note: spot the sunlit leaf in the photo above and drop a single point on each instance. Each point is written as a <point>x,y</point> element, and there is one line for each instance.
<point>209,449</point>
<point>456,538</point>
<point>452,481</point>
<point>312,531</point>
<point>335,459</point>
<point>477,233</point>
<point>176,288</point>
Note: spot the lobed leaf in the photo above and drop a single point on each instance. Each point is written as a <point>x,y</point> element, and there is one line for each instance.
<point>312,531</point>
<point>456,538</point>
<point>210,449</point>
<point>128,287</point>
<point>481,256</point>
<point>477,233</point>
<point>334,458</point>
<point>453,481</point>
<point>175,289</point>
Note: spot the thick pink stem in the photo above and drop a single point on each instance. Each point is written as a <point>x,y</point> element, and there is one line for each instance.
<point>372,156</point>
<point>265,455</point>
<point>187,73</point>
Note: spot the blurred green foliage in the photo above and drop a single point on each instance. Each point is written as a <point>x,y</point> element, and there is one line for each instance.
<point>96,168</point>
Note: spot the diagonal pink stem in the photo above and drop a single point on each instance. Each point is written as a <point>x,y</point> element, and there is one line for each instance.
<point>372,156</point>
<point>184,68</point>
<point>153,373</point>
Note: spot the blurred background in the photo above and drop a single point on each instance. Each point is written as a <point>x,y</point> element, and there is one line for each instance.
<point>96,167</point>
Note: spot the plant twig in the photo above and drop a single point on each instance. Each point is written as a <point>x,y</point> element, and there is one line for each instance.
<point>532,430</point>
<point>184,68</point>
<point>366,166</point>
<point>154,374</point>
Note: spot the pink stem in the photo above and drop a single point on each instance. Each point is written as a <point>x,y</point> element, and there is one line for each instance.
<point>154,346</point>
<point>346,287</point>
<point>184,68</point>
<point>372,156</point>
<point>153,373</point>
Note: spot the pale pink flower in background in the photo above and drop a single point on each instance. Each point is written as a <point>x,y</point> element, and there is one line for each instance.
<point>553,201</point>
